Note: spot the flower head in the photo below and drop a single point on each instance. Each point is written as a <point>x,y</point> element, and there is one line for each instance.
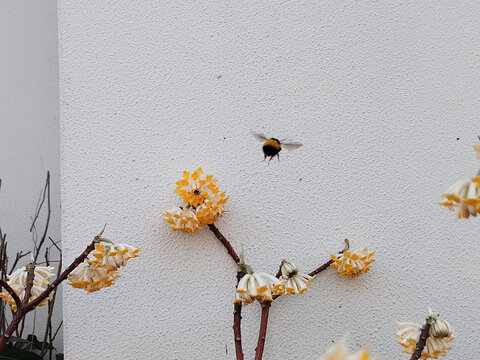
<point>409,334</point>
<point>339,351</point>
<point>256,286</point>
<point>291,281</point>
<point>18,282</point>
<point>352,264</point>
<point>91,277</point>
<point>205,203</point>
<point>193,189</point>
<point>182,219</point>
<point>477,149</point>
<point>464,195</point>
<point>211,208</point>
<point>112,256</point>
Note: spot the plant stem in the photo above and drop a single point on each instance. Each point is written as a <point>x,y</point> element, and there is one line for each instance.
<point>237,323</point>
<point>266,310</point>
<point>237,307</point>
<point>14,295</point>
<point>263,330</point>
<point>225,243</point>
<point>321,268</point>
<point>62,276</point>
<point>26,306</point>
<point>422,341</point>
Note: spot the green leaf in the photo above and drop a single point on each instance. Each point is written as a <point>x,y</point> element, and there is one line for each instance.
<point>11,353</point>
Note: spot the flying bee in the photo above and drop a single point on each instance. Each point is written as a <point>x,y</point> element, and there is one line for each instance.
<point>272,146</point>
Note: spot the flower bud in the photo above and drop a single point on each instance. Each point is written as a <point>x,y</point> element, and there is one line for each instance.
<point>440,329</point>
<point>289,269</point>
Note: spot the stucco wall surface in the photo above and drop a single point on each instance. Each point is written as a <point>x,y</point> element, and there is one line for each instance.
<point>384,97</point>
<point>29,129</point>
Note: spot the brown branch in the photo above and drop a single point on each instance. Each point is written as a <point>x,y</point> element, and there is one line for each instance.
<point>237,323</point>
<point>263,330</point>
<point>237,307</point>
<point>46,192</point>
<point>321,268</point>
<point>422,341</point>
<point>12,293</point>
<point>17,317</point>
<point>26,307</point>
<point>30,278</point>
<point>63,275</point>
<point>279,272</point>
<point>225,243</point>
<point>266,309</point>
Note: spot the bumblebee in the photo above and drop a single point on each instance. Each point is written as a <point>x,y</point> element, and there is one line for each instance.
<point>272,146</point>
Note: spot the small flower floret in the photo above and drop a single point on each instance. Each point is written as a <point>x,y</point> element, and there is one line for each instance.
<point>352,264</point>
<point>257,286</point>
<point>291,281</point>
<point>18,282</point>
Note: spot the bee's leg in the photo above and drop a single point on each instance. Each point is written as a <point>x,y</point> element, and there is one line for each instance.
<point>278,156</point>
<point>269,160</point>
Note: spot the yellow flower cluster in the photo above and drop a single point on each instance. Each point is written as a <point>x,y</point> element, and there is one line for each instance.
<point>257,286</point>
<point>205,203</point>
<point>440,335</point>
<point>477,149</point>
<point>291,281</point>
<point>261,286</point>
<point>18,282</point>
<point>352,264</point>
<point>339,351</point>
<point>99,270</point>
<point>463,195</point>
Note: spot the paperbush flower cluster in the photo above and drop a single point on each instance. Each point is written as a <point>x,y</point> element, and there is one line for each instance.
<point>204,202</point>
<point>100,269</point>
<point>464,195</point>
<point>261,286</point>
<point>439,335</point>
<point>339,351</point>
<point>352,264</point>
<point>18,282</point>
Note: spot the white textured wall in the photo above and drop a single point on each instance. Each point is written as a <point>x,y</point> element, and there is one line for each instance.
<point>384,96</point>
<point>29,127</point>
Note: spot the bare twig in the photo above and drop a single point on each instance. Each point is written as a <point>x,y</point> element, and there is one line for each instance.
<point>13,294</point>
<point>48,336</point>
<point>225,243</point>
<point>263,329</point>
<point>237,307</point>
<point>237,323</point>
<point>422,341</point>
<point>27,307</point>
<point>46,193</point>
<point>18,257</point>
<point>30,278</point>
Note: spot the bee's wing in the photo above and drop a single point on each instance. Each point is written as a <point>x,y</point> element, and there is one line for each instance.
<point>260,137</point>
<point>290,145</point>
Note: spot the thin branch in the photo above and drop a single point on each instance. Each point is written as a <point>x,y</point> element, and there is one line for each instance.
<point>422,341</point>
<point>18,257</point>
<point>44,236</point>
<point>30,278</point>
<point>237,307</point>
<point>55,244</point>
<point>237,323</point>
<point>19,315</point>
<point>321,268</point>
<point>263,330</point>
<point>225,243</point>
<point>12,293</point>
<point>64,274</point>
